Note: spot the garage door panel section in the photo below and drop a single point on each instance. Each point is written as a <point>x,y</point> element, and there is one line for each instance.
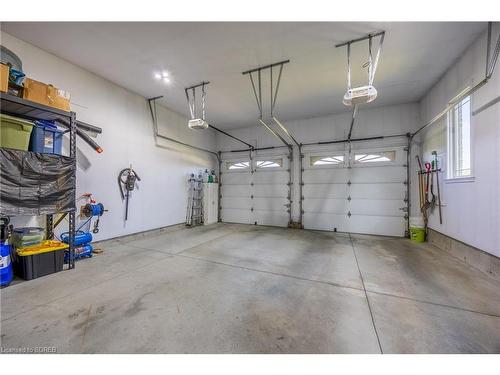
<point>236,202</point>
<point>271,191</point>
<point>379,225</point>
<point>271,204</point>
<point>321,205</point>
<point>325,191</point>
<point>383,174</point>
<point>255,190</point>
<point>270,177</point>
<point>270,183</point>
<point>324,221</point>
<point>237,178</point>
<point>362,191</point>
<point>237,191</point>
<point>326,176</point>
<point>230,215</point>
<point>377,191</point>
<point>376,207</point>
<point>273,218</point>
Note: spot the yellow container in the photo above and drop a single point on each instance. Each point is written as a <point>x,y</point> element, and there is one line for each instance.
<point>417,234</point>
<point>14,132</point>
<point>44,247</point>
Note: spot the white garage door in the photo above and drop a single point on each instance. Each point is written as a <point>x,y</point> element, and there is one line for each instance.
<point>255,190</point>
<point>363,191</point>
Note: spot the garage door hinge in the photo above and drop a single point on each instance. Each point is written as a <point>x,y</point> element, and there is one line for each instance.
<point>349,198</point>
<point>349,182</point>
<point>404,209</point>
<point>251,183</point>
<point>405,165</point>
<point>288,183</point>
<point>302,198</point>
<point>251,196</point>
<point>405,183</point>
<point>288,170</point>
<point>349,214</point>
<point>406,217</point>
<point>406,149</point>
<point>251,209</point>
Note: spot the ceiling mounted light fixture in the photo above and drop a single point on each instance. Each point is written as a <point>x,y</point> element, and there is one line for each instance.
<point>162,76</point>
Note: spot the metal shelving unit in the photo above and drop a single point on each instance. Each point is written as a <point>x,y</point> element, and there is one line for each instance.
<point>18,107</point>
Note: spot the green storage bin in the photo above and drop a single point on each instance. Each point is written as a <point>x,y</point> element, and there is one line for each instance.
<point>14,132</point>
<point>417,234</point>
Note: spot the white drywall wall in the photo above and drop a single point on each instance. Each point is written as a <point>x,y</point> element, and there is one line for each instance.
<point>127,138</point>
<point>471,209</point>
<point>388,120</point>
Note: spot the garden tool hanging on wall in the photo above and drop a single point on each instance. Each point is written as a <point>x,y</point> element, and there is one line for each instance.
<point>127,180</point>
<point>436,167</point>
<point>422,188</point>
<point>428,198</point>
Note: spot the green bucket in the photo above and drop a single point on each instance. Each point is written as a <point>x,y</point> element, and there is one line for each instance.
<point>14,132</point>
<point>417,234</point>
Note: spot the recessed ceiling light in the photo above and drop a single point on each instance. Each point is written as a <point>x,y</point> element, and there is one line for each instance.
<point>164,74</point>
<point>166,79</point>
<point>157,76</point>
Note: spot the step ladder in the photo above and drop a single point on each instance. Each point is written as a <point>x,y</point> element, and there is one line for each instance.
<point>194,214</point>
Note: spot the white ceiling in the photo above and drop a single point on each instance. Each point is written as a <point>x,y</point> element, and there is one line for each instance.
<point>414,56</point>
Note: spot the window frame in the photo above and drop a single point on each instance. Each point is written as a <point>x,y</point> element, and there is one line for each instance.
<point>271,158</point>
<point>374,163</point>
<point>326,155</point>
<point>235,161</point>
<point>451,161</point>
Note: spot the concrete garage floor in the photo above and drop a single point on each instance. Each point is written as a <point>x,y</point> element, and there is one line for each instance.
<point>230,288</point>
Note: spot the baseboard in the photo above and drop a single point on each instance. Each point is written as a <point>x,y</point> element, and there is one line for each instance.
<point>477,258</point>
<point>136,236</point>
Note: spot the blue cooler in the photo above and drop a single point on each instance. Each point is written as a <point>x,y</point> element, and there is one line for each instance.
<point>6,273</point>
<point>46,138</point>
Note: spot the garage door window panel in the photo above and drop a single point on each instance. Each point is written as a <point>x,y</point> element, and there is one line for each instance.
<point>239,165</point>
<point>376,157</point>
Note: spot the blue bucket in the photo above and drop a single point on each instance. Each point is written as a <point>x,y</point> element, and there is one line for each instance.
<point>46,138</point>
<point>6,273</point>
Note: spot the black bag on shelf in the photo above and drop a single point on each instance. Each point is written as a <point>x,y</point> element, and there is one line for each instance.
<point>36,184</point>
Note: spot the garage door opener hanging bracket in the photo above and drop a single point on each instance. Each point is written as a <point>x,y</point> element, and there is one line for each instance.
<point>257,90</point>
<point>200,123</point>
<point>368,93</point>
<point>196,122</point>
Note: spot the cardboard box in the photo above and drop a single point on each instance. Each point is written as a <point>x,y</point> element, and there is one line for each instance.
<point>60,100</point>
<point>4,78</point>
<point>49,95</point>
<point>36,91</point>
